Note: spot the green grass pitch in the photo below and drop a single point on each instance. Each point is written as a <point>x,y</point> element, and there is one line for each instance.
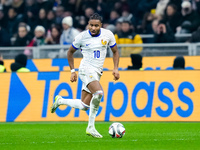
<point>71,136</point>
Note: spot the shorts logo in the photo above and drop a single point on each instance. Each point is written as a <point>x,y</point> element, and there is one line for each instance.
<point>103,42</point>
<point>90,76</point>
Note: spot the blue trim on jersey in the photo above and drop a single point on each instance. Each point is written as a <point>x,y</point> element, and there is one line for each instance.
<point>95,35</point>
<point>113,45</point>
<point>74,47</point>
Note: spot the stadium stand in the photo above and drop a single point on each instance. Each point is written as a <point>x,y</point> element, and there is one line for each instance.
<point>140,13</point>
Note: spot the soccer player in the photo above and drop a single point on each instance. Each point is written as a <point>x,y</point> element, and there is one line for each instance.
<point>93,43</point>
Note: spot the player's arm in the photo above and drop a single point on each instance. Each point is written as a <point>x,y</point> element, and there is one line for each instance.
<point>116,62</point>
<point>70,58</point>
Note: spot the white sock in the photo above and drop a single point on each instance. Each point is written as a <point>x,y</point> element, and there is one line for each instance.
<point>75,103</point>
<point>94,106</point>
<point>92,115</point>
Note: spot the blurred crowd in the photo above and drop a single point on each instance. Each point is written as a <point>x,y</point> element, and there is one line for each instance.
<point>41,22</point>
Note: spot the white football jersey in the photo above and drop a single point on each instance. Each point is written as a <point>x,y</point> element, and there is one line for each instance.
<point>94,48</point>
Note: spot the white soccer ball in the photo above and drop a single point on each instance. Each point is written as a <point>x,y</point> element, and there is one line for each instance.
<point>116,130</point>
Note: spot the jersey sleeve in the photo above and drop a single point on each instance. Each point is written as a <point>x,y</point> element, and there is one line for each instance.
<point>77,41</point>
<point>112,41</point>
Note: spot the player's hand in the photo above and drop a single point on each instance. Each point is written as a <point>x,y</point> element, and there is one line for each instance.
<point>73,77</point>
<point>116,74</point>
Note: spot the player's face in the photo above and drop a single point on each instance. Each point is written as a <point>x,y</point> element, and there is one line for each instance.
<point>22,32</point>
<point>94,26</point>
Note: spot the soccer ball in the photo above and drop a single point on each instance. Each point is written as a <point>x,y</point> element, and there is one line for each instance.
<point>116,130</point>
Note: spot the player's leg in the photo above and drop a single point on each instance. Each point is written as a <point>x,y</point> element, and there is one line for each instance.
<point>97,94</point>
<point>74,103</point>
<point>86,97</point>
<point>82,104</point>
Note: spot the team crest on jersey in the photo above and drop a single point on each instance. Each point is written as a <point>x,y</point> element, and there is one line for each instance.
<point>103,42</point>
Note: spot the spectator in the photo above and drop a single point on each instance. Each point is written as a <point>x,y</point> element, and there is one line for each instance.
<point>56,4</point>
<point>67,13</point>
<point>113,17</point>
<point>128,36</point>
<point>70,5</point>
<point>69,32</point>
<point>172,17</point>
<point>3,20</point>
<point>195,36</point>
<point>88,12</point>
<point>23,37</point>
<point>31,5</point>
<point>154,24</point>
<point>59,15</point>
<point>146,27</point>
<point>197,4</point>
<point>46,4</point>
<point>19,6</point>
<point>117,7</point>
<point>102,9</point>
<point>20,64</point>
<point>126,15</point>
<point>39,36</point>
<point>4,37</point>
<point>30,16</point>
<point>81,23</point>
<point>160,8</point>
<point>143,7</point>
<point>118,26</point>
<point>136,60</point>
<point>2,67</point>
<point>162,33</point>
<point>177,3</point>
<point>6,4</point>
<point>53,35</point>
<point>39,39</point>
<point>92,4</point>
<point>13,8</point>
<point>134,4</point>
<point>111,27</point>
<point>13,21</point>
<point>179,63</point>
<point>42,20</point>
<point>190,20</point>
<point>50,19</point>
<point>125,5</point>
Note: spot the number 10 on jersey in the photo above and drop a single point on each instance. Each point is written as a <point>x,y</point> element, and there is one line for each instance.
<point>97,54</point>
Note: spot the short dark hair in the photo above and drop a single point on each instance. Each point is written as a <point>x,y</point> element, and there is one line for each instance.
<point>126,21</point>
<point>21,59</point>
<point>22,24</point>
<point>179,62</point>
<point>1,62</point>
<point>96,16</point>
